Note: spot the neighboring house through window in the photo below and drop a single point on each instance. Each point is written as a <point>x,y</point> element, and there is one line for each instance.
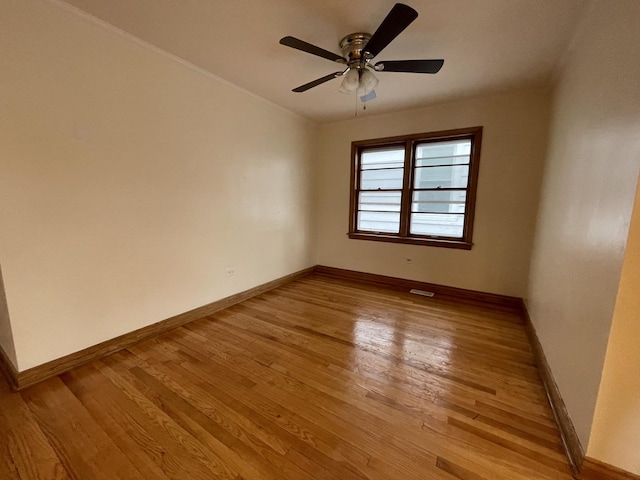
<point>416,189</point>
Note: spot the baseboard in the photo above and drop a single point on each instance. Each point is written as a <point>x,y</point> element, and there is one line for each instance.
<point>7,368</point>
<point>572,445</point>
<point>21,380</point>
<point>459,294</point>
<point>593,469</point>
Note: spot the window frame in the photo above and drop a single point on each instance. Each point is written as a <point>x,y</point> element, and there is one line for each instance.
<point>409,143</point>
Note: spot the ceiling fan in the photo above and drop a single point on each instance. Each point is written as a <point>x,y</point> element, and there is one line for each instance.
<point>358,49</point>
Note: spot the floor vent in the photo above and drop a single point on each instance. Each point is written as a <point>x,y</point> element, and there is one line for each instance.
<point>424,293</point>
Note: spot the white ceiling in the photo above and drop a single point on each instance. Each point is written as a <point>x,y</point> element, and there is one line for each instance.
<point>488,45</point>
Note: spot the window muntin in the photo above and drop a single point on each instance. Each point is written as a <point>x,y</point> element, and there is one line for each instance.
<point>416,189</point>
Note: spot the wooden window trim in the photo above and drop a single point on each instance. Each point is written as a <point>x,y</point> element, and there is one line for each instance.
<point>409,143</point>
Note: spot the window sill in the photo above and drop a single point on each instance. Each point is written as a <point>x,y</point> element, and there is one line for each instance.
<point>429,242</point>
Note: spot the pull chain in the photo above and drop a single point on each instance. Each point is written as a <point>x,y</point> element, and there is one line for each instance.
<point>356,105</point>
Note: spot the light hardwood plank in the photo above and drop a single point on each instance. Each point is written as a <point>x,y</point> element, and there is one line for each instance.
<point>26,451</point>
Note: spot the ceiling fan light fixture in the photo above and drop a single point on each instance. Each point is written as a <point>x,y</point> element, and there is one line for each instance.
<point>350,81</point>
<point>368,81</point>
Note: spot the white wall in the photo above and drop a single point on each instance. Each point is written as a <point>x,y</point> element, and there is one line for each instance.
<point>513,148</point>
<point>586,201</point>
<point>129,182</point>
<point>614,434</point>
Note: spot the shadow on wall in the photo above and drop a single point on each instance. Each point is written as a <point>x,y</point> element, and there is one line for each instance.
<point>6,334</point>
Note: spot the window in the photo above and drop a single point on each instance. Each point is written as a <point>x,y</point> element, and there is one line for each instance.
<point>416,189</point>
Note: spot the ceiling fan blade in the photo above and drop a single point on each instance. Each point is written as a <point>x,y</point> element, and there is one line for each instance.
<point>396,21</point>
<point>315,83</point>
<point>312,49</point>
<point>410,66</point>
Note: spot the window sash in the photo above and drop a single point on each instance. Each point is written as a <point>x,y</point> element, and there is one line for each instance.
<point>443,177</point>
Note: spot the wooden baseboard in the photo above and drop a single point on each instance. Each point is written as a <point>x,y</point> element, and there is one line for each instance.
<point>593,469</point>
<point>572,445</point>
<point>7,368</point>
<point>459,294</point>
<point>21,380</point>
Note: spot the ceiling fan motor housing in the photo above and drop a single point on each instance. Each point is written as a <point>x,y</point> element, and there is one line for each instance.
<point>352,47</point>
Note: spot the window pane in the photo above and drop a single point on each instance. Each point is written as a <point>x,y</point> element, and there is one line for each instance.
<point>448,201</point>
<point>387,157</point>
<point>443,153</point>
<point>437,224</point>
<point>442,177</point>
<point>379,201</point>
<point>379,221</point>
<point>381,179</point>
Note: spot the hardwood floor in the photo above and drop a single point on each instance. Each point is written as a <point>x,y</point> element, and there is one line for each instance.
<point>320,379</point>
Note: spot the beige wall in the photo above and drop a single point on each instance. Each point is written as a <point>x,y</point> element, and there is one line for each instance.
<point>586,201</point>
<point>513,147</point>
<point>129,182</point>
<point>6,334</point>
<point>615,437</point>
